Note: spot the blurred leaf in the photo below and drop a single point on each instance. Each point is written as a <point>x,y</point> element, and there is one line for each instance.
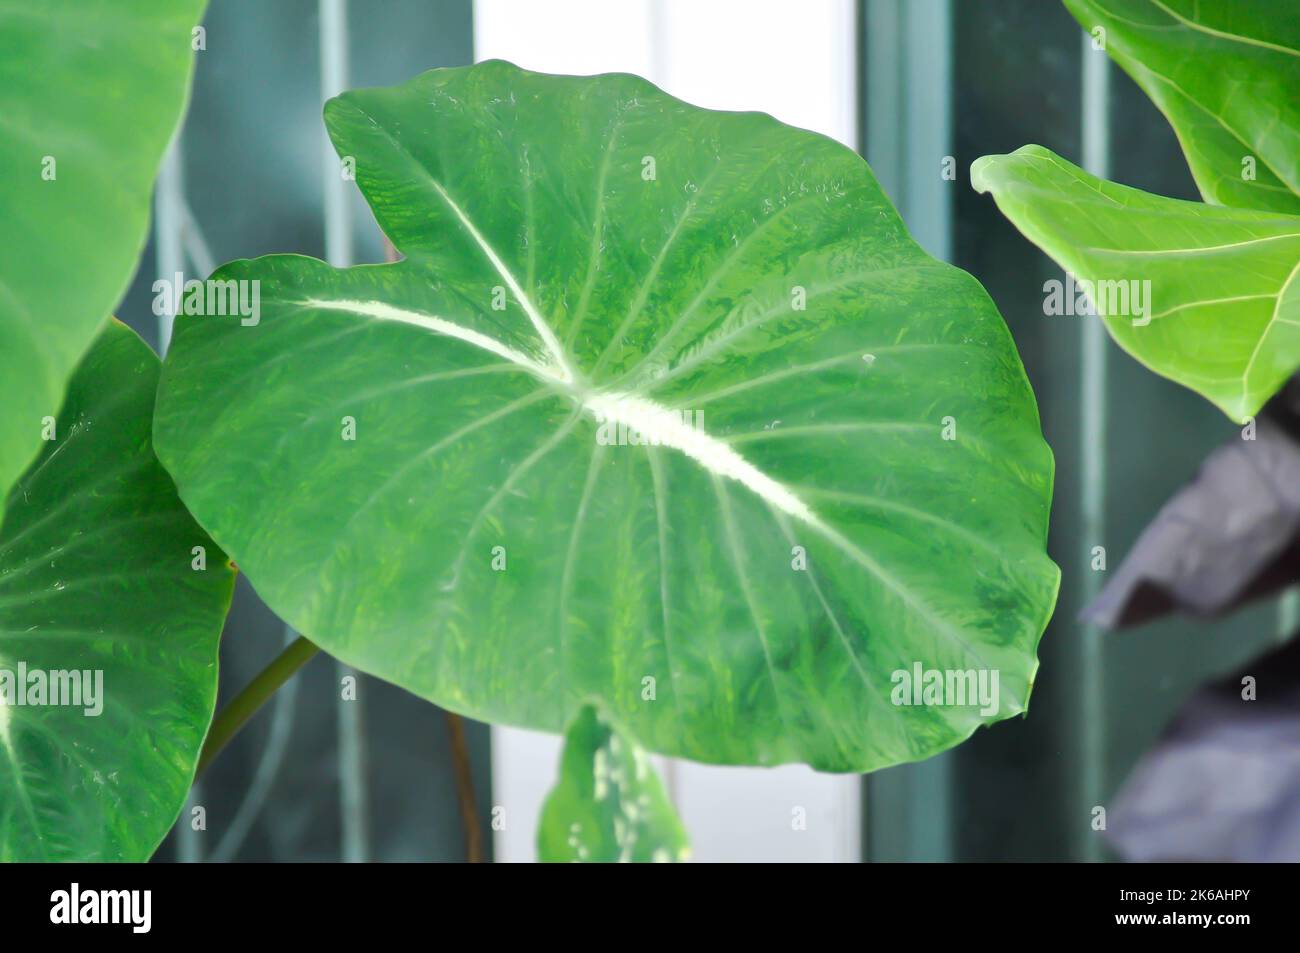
<point>608,805</point>
<point>1220,303</point>
<point>497,540</point>
<point>96,575</point>
<point>1223,782</point>
<point>1229,536</point>
<point>1226,77</point>
<point>90,93</point>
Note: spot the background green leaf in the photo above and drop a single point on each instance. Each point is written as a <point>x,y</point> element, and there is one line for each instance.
<point>98,86</point>
<point>608,805</point>
<point>1226,75</point>
<point>664,581</point>
<point>1224,303</point>
<point>95,573</point>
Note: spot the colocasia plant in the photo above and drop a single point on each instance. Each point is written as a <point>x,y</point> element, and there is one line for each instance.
<point>662,433</point>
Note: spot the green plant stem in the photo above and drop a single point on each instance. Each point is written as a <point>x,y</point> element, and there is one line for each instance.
<point>234,716</point>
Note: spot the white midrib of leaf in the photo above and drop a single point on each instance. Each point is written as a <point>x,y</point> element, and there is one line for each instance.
<point>637,413</point>
<point>543,329</point>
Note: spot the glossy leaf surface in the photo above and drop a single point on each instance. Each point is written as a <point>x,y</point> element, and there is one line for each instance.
<point>1221,299</point>
<point>437,469</point>
<point>96,576</point>
<point>90,93</point>
<point>608,805</point>
<point>1226,75</point>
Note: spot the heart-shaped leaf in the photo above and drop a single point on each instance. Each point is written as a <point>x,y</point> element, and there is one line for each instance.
<point>1225,75</point>
<point>108,632</point>
<point>1204,295</point>
<point>90,92</point>
<point>608,805</point>
<point>662,408</point>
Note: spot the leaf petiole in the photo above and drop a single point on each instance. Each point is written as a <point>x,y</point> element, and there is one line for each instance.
<point>246,704</point>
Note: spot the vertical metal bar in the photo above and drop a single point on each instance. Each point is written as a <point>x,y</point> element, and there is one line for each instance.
<point>908,48</point>
<point>169,263</point>
<point>1288,614</point>
<point>333,80</point>
<point>353,798</point>
<point>1092,686</point>
<point>657,40</point>
<point>887,795</point>
<point>883,125</point>
<point>168,230</point>
<point>927,131</point>
<point>196,246</point>
<point>927,139</point>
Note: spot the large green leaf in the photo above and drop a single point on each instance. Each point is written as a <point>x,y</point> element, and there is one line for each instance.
<point>608,805</point>
<point>1223,304</point>
<point>478,544</point>
<point>90,91</point>
<point>1226,75</point>
<point>97,575</point>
